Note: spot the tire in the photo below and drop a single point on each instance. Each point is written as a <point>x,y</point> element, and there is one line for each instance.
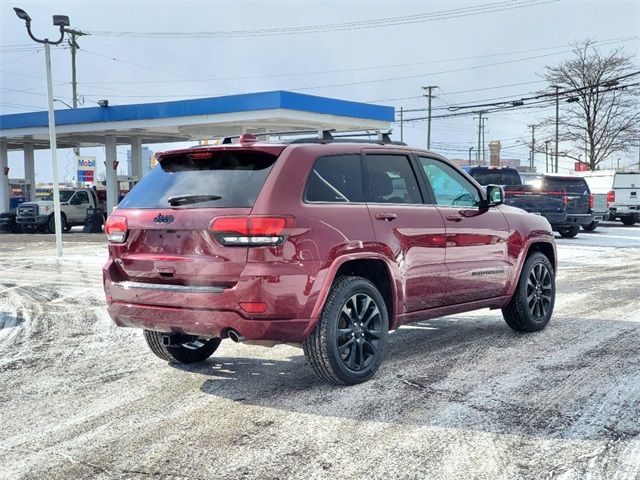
<point>628,221</point>
<point>569,232</point>
<point>531,307</point>
<point>347,345</point>
<point>192,351</point>
<point>67,227</point>
<point>591,227</point>
<point>51,225</point>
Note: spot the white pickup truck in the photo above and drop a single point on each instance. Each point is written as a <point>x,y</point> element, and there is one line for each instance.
<point>622,190</point>
<point>74,203</point>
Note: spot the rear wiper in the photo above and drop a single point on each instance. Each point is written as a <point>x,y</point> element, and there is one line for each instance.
<point>178,200</point>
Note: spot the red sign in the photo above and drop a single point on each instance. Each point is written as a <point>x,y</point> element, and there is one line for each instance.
<point>581,167</point>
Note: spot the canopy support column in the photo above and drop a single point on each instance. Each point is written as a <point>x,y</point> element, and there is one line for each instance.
<point>30,170</point>
<point>5,191</point>
<point>111,164</point>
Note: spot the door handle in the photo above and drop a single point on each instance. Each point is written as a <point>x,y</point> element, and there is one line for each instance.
<point>452,217</point>
<point>386,216</point>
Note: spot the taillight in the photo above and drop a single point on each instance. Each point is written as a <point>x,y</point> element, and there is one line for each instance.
<point>116,229</point>
<point>565,200</point>
<point>611,198</point>
<point>251,231</point>
<point>591,201</point>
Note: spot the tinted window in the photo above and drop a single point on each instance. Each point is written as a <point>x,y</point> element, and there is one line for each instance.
<point>65,195</point>
<point>336,178</point>
<point>568,185</point>
<point>391,180</point>
<point>503,176</point>
<point>81,197</point>
<point>229,178</point>
<point>449,186</point>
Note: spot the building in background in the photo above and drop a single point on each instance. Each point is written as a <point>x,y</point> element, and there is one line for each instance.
<point>147,153</point>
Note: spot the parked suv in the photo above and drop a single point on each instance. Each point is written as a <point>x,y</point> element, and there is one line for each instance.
<point>325,244</point>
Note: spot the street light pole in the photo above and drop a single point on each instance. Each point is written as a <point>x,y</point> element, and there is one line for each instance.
<point>61,21</point>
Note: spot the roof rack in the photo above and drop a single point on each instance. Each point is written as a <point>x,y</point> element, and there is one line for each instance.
<point>327,136</point>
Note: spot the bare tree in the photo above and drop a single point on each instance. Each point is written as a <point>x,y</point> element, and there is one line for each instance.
<point>603,113</point>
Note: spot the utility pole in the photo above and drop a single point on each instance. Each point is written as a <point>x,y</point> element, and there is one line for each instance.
<point>73,34</point>
<point>429,96</point>
<point>479,134</point>
<point>484,143</point>
<point>546,156</point>
<point>532,161</point>
<point>557,123</point>
<point>480,152</point>
<point>401,124</point>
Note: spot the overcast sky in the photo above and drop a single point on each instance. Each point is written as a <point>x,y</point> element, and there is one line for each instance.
<point>471,58</point>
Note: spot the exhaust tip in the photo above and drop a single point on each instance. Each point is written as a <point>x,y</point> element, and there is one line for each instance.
<point>235,336</point>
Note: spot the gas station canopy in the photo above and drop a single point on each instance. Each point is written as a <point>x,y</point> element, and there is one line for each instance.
<point>195,119</point>
<point>175,121</point>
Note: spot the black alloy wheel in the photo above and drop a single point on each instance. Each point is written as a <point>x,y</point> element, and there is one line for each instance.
<point>347,344</point>
<point>359,332</point>
<point>539,291</point>
<point>531,306</point>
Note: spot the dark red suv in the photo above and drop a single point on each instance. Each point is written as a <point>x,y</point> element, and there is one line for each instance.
<point>324,242</point>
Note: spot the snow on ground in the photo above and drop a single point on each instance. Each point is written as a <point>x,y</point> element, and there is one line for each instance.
<point>457,397</point>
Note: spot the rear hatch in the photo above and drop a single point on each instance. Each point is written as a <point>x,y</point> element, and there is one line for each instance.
<point>627,188</point>
<point>169,214</point>
<point>575,190</point>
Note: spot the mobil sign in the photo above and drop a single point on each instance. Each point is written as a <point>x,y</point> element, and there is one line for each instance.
<point>86,170</point>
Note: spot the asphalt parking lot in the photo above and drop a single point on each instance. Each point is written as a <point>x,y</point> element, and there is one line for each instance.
<point>457,397</point>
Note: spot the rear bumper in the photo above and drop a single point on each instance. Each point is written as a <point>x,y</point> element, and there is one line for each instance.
<point>286,291</point>
<point>624,210</point>
<point>575,219</point>
<point>207,323</point>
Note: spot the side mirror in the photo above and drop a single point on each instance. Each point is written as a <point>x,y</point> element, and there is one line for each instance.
<point>495,195</point>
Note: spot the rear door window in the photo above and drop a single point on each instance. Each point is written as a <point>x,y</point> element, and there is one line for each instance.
<point>391,180</point>
<point>335,179</point>
<point>195,180</point>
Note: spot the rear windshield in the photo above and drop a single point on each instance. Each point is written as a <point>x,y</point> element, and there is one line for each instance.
<point>226,179</point>
<point>568,185</point>
<point>626,180</point>
<point>496,177</point>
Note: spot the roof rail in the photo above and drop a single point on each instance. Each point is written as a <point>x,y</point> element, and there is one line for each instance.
<point>327,136</point>
<point>322,134</point>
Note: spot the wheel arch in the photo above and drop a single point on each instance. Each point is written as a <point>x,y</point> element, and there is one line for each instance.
<point>372,267</point>
<point>546,248</point>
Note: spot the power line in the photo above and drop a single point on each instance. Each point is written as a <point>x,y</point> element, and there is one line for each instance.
<point>370,67</point>
<point>334,27</point>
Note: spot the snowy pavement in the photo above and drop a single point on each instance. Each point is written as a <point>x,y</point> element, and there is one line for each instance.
<point>457,397</point>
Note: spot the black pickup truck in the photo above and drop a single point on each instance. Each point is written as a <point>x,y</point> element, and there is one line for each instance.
<point>558,199</point>
<point>574,193</point>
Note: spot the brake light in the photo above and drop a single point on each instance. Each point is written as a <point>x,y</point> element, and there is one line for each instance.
<point>591,201</point>
<point>200,155</point>
<point>252,231</point>
<point>116,229</point>
<point>611,198</point>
